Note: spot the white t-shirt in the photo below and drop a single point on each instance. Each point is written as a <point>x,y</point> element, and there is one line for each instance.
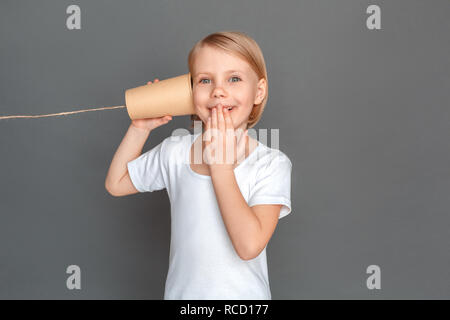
<point>203,263</point>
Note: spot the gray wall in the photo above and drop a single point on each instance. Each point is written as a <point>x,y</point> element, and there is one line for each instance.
<point>363,115</point>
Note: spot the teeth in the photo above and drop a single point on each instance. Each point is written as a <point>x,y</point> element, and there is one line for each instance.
<point>229,108</point>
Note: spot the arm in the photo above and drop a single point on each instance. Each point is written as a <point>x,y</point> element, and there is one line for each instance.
<point>129,149</point>
<point>118,182</point>
<point>249,228</point>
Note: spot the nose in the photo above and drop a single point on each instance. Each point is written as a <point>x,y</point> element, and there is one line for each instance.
<point>218,92</point>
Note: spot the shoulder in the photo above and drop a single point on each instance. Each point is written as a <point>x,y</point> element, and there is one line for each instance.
<point>177,139</point>
<point>174,147</point>
<point>271,158</point>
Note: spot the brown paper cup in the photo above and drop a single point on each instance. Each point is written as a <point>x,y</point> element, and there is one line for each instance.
<point>171,96</point>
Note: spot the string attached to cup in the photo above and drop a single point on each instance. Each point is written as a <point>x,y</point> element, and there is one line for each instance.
<point>59,114</point>
<point>171,96</point>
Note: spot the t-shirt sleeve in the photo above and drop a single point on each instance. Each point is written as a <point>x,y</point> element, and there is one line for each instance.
<point>273,185</point>
<point>147,171</point>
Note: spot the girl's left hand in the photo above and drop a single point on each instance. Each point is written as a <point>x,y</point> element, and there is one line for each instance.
<point>224,146</point>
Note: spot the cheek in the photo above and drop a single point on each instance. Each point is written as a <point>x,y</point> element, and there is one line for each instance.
<point>242,93</point>
<point>197,103</point>
<point>199,96</point>
<point>242,100</point>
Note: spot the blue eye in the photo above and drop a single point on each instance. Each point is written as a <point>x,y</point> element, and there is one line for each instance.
<point>239,79</point>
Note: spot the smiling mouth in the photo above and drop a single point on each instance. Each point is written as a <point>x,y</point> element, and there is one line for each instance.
<point>230,108</point>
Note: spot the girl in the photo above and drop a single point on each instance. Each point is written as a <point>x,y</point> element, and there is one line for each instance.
<point>226,189</point>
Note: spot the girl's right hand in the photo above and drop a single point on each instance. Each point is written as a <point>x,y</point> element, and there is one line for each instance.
<point>151,123</point>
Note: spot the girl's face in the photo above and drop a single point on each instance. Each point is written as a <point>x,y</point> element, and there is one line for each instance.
<point>221,79</point>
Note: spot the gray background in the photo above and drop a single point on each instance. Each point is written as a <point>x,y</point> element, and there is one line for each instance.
<point>363,115</point>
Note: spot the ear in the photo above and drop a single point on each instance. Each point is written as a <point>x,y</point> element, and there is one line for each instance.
<point>261,91</point>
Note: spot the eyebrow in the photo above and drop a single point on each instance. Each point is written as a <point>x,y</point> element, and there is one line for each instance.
<point>229,71</point>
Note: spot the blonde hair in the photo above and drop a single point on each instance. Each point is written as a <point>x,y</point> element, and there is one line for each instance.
<point>243,46</point>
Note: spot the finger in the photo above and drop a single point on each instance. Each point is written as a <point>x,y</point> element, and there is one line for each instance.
<point>228,120</point>
<point>214,123</point>
<point>229,129</point>
<point>220,119</point>
<point>230,146</point>
<point>209,151</point>
<point>208,130</point>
